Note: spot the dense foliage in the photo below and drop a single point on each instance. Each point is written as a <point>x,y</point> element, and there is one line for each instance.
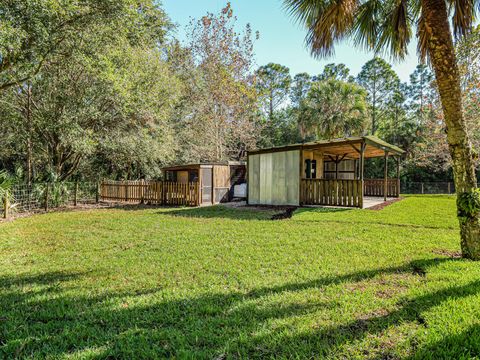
<point>111,93</point>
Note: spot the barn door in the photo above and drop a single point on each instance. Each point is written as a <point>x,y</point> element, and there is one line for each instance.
<point>207,188</point>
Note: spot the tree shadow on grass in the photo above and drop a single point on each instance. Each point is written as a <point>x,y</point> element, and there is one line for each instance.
<point>38,279</point>
<point>223,212</point>
<point>465,345</point>
<point>409,310</point>
<point>45,316</point>
<point>246,212</point>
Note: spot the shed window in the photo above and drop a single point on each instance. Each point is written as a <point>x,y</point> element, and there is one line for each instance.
<point>171,176</point>
<point>310,169</point>
<point>193,176</point>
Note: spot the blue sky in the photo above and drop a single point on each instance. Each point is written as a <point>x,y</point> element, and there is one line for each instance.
<point>281,39</point>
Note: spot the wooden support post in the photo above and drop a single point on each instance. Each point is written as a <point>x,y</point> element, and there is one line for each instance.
<point>362,161</point>
<point>97,192</point>
<point>247,174</point>
<point>449,188</point>
<point>6,205</point>
<point>385,177</point>
<point>302,173</point>
<point>336,167</point>
<point>47,190</point>
<point>362,166</point>
<point>75,194</point>
<point>398,176</point>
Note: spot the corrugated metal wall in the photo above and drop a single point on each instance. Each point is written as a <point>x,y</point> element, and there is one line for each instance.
<point>274,178</point>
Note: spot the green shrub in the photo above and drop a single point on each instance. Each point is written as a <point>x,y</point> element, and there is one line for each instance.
<point>469,204</point>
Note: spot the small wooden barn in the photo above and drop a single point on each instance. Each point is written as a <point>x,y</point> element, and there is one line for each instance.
<point>216,180</point>
<point>326,172</point>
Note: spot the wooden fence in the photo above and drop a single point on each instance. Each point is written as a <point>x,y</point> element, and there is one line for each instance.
<point>331,192</point>
<point>375,187</point>
<point>151,192</point>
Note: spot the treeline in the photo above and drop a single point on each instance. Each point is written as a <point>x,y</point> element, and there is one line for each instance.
<point>335,103</point>
<point>97,89</point>
<point>104,89</point>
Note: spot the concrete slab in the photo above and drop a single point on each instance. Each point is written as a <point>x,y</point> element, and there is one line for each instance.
<point>371,201</point>
<point>368,202</point>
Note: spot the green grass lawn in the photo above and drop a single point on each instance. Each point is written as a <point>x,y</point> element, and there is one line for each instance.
<point>225,283</point>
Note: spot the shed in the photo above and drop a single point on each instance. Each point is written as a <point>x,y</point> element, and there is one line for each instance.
<point>216,180</point>
<point>325,172</point>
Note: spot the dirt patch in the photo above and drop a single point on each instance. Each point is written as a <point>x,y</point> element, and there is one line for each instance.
<point>449,253</point>
<point>285,214</point>
<point>419,271</point>
<point>385,204</point>
<point>281,212</point>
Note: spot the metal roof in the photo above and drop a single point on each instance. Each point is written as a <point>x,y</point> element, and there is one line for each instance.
<point>375,146</point>
<point>201,164</point>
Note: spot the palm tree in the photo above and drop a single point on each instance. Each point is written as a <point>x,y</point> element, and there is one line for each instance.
<point>334,108</point>
<point>386,26</point>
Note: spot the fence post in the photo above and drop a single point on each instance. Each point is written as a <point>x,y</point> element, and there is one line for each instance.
<point>164,194</point>
<point>6,205</point>
<point>97,192</point>
<point>46,196</point>
<point>422,188</point>
<point>449,192</point>
<point>75,194</point>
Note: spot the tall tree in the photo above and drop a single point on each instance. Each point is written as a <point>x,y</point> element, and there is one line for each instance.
<point>332,109</point>
<point>431,150</point>
<point>273,84</point>
<point>397,126</point>
<point>219,117</point>
<point>387,25</point>
<point>336,72</point>
<point>33,30</point>
<point>108,88</point>
<point>420,90</point>
<point>301,84</point>
<point>381,82</point>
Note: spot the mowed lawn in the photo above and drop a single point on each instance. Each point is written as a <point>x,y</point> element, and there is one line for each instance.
<point>221,283</point>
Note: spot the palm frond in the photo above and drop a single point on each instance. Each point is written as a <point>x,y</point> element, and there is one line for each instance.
<point>396,30</point>
<point>464,14</point>
<point>366,28</point>
<point>327,21</point>
<point>424,34</point>
<point>303,11</point>
<point>331,26</point>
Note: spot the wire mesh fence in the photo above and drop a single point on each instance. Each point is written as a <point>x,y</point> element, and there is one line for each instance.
<point>427,188</point>
<point>23,198</point>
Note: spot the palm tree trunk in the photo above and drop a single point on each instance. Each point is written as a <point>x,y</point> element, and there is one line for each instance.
<point>442,56</point>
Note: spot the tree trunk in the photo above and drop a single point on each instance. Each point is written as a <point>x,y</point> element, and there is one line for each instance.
<point>270,111</point>
<point>442,56</point>
<point>374,100</point>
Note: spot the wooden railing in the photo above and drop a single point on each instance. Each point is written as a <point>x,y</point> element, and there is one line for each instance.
<point>331,192</point>
<point>152,192</point>
<point>375,187</point>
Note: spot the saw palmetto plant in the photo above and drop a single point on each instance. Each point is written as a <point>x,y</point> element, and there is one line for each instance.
<point>6,183</point>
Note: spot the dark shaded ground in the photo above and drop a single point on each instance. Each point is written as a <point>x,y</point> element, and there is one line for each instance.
<point>385,204</point>
<point>200,327</point>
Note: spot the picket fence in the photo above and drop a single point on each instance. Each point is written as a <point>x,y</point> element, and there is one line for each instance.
<point>151,192</point>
